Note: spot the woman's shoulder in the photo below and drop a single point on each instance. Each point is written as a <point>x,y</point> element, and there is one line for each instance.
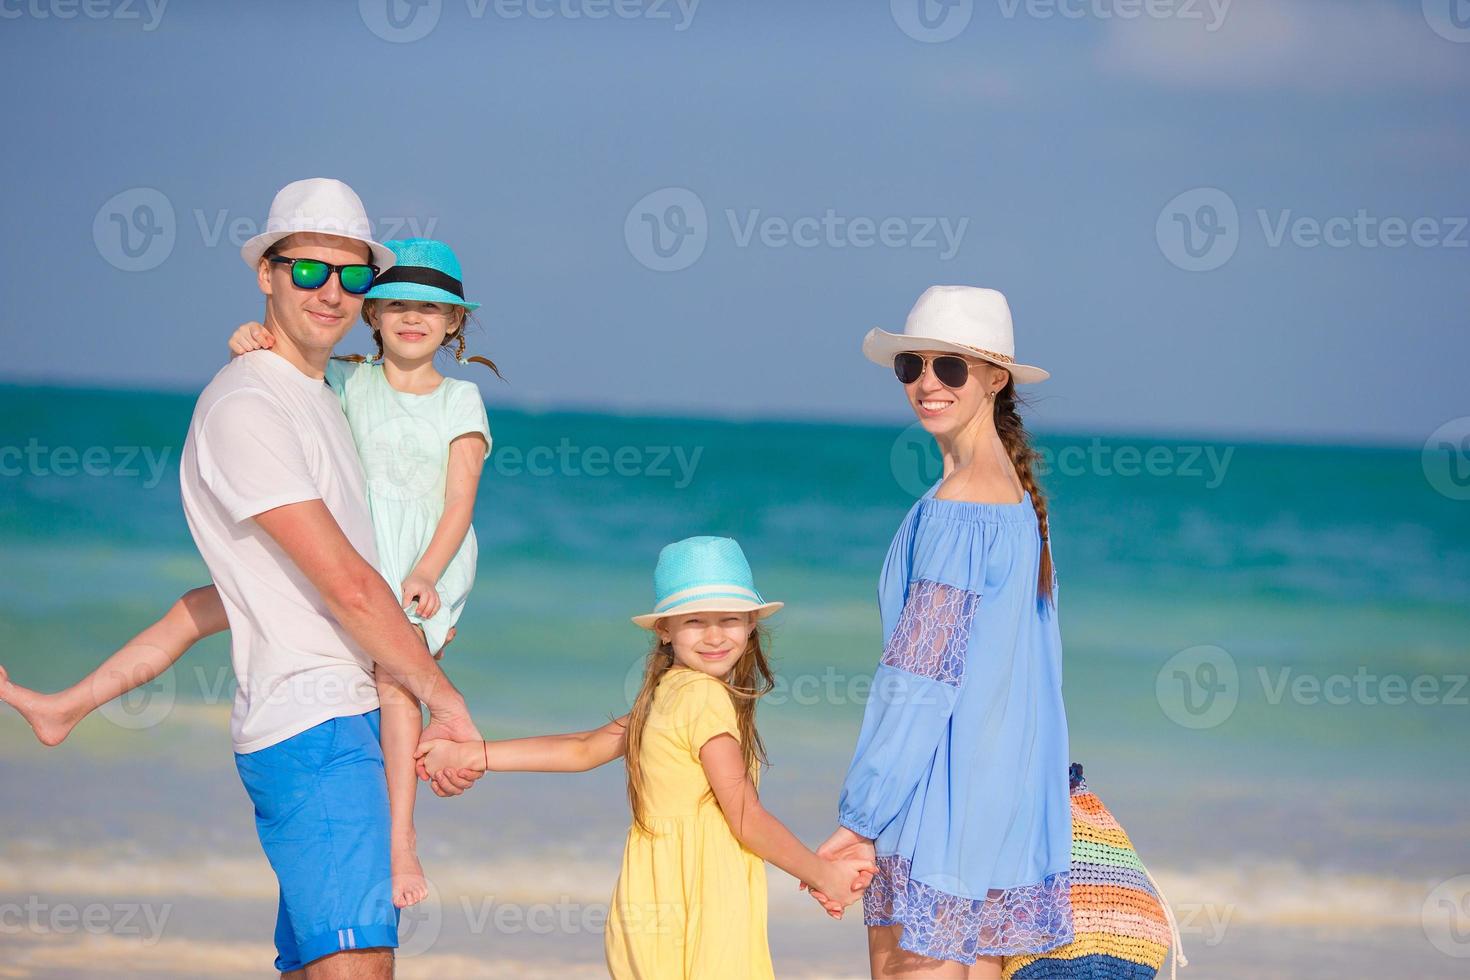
<point>947,510</point>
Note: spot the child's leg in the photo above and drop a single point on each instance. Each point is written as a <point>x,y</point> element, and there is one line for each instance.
<point>402,722</point>
<point>199,613</point>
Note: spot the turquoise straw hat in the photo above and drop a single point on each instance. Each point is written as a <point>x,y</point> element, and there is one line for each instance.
<point>704,574</point>
<point>427,271</point>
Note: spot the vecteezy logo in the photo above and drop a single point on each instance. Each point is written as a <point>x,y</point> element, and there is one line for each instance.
<point>1450,19</point>
<point>915,461</point>
<point>1199,230</point>
<point>400,21</point>
<point>932,21</point>
<point>1446,917</point>
<point>419,925</point>
<point>134,230</point>
<point>667,230</point>
<point>143,706</point>
<point>401,457</point>
<point>1198,687</point>
<point>1446,459</point>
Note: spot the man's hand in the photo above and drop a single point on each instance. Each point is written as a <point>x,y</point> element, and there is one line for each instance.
<point>456,727</point>
<point>843,844</point>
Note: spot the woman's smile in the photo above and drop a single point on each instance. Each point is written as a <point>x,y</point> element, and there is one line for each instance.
<point>934,406</point>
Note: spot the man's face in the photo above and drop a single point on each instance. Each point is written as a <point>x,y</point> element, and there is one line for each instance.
<point>312,319</point>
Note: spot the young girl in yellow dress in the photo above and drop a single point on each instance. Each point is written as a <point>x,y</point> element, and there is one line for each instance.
<point>691,898</point>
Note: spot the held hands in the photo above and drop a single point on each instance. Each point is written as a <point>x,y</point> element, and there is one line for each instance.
<point>852,861</point>
<point>457,728</point>
<point>251,336</point>
<point>843,882</point>
<point>436,755</point>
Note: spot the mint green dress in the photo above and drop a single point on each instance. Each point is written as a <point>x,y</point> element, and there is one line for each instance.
<point>403,441</point>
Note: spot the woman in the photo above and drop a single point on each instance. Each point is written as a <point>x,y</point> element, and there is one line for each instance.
<point>958,785</point>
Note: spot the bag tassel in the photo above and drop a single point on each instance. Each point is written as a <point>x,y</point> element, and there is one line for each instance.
<point>1176,951</point>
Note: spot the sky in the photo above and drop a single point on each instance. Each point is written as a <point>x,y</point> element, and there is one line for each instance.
<point>1236,219</point>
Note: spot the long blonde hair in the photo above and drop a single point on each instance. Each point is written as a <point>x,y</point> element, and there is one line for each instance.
<point>748,681</point>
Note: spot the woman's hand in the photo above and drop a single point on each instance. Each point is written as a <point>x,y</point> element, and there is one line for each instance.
<point>420,593</point>
<point>251,336</point>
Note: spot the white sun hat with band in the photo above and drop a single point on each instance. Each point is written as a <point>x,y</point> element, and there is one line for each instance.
<point>966,320</point>
<point>704,574</point>
<point>322,206</point>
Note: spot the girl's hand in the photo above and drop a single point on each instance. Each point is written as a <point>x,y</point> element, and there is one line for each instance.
<point>251,336</point>
<point>420,593</point>
<point>438,754</point>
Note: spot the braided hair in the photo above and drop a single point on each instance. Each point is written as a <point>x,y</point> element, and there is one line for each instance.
<point>1018,446</point>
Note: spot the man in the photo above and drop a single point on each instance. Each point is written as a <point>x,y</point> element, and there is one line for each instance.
<point>275,498</point>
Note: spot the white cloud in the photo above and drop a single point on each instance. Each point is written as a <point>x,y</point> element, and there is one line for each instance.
<point>1319,46</point>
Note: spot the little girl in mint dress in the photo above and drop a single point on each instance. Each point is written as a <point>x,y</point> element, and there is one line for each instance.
<point>403,440</point>
<point>960,771</point>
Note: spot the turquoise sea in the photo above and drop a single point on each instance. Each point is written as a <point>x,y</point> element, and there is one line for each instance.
<point>1266,659</point>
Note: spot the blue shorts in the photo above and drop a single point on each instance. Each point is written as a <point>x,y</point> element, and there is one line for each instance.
<point>321,809</point>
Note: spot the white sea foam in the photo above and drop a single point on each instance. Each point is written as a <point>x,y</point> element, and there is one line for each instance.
<point>1259,894</point>
<point>199,958</point>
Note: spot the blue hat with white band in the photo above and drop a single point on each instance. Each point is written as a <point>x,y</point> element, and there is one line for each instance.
<point>704,574</point>
<point>426,271</point>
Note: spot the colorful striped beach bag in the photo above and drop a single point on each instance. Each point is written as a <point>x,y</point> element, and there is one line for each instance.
<point>1122,924</point>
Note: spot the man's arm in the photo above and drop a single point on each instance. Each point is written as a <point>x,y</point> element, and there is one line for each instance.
<point>252,460</point>
<point>361,601</point>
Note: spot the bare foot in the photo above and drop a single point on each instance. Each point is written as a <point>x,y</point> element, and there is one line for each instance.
<point>43,712</point>
<point>409,884</point>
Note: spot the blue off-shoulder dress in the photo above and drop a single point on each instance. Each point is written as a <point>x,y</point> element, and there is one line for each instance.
<point>960,772</point>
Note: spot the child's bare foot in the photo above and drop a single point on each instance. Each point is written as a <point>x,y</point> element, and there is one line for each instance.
<point>43,712</point>
<point>409,884</point>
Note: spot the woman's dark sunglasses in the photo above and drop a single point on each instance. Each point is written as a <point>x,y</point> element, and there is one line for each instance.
<point>314,273</point>
<point>951,370</point>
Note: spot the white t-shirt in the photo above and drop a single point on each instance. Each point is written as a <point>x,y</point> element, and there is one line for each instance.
<point>264,435</point>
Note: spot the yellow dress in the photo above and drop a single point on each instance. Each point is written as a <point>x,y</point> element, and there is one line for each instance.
<point>690,903</point>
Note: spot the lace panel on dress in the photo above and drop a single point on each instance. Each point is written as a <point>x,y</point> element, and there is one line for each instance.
<point>1007,922</point>
<point>933,632</point>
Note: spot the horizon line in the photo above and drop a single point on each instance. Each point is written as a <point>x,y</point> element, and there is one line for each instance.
<point>857,420</point>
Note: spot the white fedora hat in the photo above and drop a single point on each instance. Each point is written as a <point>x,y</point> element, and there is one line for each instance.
<point>321,205</point>
<point>957,319</point>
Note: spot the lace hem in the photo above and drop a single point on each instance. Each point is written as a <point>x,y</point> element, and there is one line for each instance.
<point>933,632</point>
<point>1008,922</point>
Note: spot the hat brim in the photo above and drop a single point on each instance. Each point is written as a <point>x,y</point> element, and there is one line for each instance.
<point>417,292</point>
<point>761,610</point>
<point>879,346</point>
<point>256,247</point>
